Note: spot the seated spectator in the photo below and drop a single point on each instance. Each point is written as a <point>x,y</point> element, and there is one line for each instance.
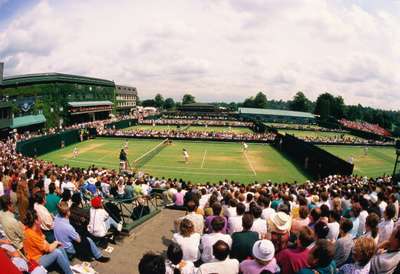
<point>46,219</point>
<point>334,225</point>
<point>197,219</point>
<point>291,260</point>
<point>388,258</point>
<point>364,249</point>
<point>230,209</point>
<point>208,240</point>
<point>70,239</point>
<point>386,227</point>
<point>355,218</point>
<point>263,253</point>
<point>217,210</point>
<point>178,197</point>
<point>79,217</point>
<point>7,265</point>
<point>128,191</point>
<point>259,225</point>
<point>38,249</point>
<point>301,221</point>
<point>242,242</point>
<point>278,229</point>
<point>315,214</point>
<point>320,259</point>
<point>188,240</point>
<point>371,227</point>
<point>11,226</point>
<point>344,244</point>
<point>235,222</point>
<point>175,263</point>
<point>267,211</point>
<point>52,199</point>
<point>100,221</point>
<point>151,263</point>
<point>222,262</point>
<point>321,230</point>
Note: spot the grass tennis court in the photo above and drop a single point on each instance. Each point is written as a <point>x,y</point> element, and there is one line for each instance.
<point>378,161</point>
<point>311,133</point>
<point>209,161</point>
<point>192,128</point>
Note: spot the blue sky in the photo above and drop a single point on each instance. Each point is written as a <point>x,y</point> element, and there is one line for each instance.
<point>223,50</point>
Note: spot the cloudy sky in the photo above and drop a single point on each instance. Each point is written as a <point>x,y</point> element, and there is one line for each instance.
<point>219,50</point>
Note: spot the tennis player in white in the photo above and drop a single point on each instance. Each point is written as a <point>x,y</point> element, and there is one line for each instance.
<point>245,146</point>
<point>185,156</point>
<point>75,153</point>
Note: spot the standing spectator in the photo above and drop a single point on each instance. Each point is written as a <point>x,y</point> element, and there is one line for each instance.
<point>235,222</point>
<point>320,259</point>
<point>11,226</point>
<point>242,242</point>
<point>388,257</point>
<point>291,260</point>
<point>38,249</point>
<point>208,240</point>
<point>188,240</point>
<point>364,250</point>
<point>386,227</point>
<point>175,263</point>
<point>344,244</point>
<point>222,262</point>
<point>263,253</point>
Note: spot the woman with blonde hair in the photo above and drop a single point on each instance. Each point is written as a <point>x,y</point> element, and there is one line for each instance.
<point>363,251</point>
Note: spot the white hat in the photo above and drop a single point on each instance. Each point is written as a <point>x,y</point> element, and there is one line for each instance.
<point>281,221</point>
<point>264,250</point>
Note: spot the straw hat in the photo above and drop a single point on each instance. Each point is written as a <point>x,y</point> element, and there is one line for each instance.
<point>281,221</point>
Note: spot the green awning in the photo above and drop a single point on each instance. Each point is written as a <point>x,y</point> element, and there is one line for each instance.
<point>28,120</point>
<point>90,104</point>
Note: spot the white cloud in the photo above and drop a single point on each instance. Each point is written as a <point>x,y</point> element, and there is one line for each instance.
<point>218,50</point>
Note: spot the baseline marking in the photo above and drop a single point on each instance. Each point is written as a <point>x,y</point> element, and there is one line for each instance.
<point>204,157</point>
<point>250,164</point>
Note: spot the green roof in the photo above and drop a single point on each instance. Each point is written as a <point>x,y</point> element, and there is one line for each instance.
<point>276,112</point>
<point>90,103</point>
<point>27,79</point>
<point>28,120</point>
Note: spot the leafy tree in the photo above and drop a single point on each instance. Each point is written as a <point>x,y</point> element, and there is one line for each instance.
<point>159,101</point>
<point>328,105</point>
<point>148,103</point>
<point>188,99</point>
<point>169,103</point>
<point>249,102</point>
<point>300,103</point>
<point>260,101</point>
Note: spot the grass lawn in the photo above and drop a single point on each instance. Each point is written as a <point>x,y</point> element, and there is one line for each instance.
<point>378,161</point>
<point>150,127</point>
<point>209,161</point>
<point>310,133</point>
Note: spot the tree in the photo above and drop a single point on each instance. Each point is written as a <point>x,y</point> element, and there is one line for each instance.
<point>148,103</point>
<point>328,105</point>
<point>300,103</point>
<point>159,101</point>
<point>260,101</point>
<point>169,103</point>
<point>249,102</point>
<point>188,99</point>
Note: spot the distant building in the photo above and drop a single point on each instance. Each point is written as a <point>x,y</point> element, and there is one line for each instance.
<point>125,98</point>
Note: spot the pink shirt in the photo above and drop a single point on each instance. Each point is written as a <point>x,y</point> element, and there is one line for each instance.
<point>179,198</point>
<point>252,267</point>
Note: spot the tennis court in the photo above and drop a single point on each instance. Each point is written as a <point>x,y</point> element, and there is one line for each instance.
<point>311,133</point>
<point>209,161</point>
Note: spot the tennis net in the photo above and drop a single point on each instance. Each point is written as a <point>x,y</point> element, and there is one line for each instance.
<point>142,160</point>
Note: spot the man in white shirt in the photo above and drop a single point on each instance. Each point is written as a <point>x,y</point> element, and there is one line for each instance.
<point>235,223</point>
<point>259,225</point>
<point>208,240</point>
<point>267,211</point>
<point>222,263</point>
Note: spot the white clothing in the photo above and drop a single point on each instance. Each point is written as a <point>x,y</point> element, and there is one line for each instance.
<point>229,266</point>
<point>188,268</point>
<point>333,233</point>
<point>363,218</point>
<point>189,245</point>
<point>197,220</point>
<point>46,220</point>
<point>207,242</point>
<point>235,224</point>
<point>385,230</point>
<point>267,213</point>
<point>97,224</point>
<point>230,212</point>
<point>259,226</point>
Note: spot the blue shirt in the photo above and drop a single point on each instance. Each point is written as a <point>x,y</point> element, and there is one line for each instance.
<point>64,232</point>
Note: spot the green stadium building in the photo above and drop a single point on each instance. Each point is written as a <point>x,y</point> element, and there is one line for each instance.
<point>277,115</point>
<point>56,99</point>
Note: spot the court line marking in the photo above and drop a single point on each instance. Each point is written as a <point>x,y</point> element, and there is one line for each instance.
<point>204,157</point>
<point>250,164</point>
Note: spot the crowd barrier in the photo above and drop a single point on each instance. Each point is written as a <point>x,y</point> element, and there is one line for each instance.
<point>315,161</point>
<point>122,124</point>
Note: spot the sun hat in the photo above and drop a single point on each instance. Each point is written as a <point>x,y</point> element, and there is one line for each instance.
<point>281,221</point>
<point>264,250</point>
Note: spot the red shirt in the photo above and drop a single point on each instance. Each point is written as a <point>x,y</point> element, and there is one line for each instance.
<point>292,260</point>
<point>6,264</point>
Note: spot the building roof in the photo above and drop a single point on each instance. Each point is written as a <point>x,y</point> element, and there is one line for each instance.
<point>36,78</point>
<point>276,112</point>
<point>28,120</point>
<point>126,90</point>
<point>90,103</point>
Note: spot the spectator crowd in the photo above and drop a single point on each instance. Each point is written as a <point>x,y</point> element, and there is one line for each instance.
<point>364,126</point>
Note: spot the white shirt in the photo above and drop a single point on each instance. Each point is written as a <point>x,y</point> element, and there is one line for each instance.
<point>189,245</point>
<point>363,218</point>
<point>267,213</point>
<point>229,266</point>
<point>67,185</point>
<point>333,233</point>
<point>1,189</point>
<point>207,242</point>
<point>230,212</point>
<point>203,200</point>
<point>382,206</point>
<point>259,226</point>
<point>197,220</point>
<point>46,220</point>
<point>97,224</point>
<point>188,268</point>
<point>235,224</point>
<point>385,230</point>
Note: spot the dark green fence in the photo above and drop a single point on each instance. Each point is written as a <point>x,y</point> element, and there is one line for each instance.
<point>45,144</point>
<point>122,124</point>
<point>314,160</point>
